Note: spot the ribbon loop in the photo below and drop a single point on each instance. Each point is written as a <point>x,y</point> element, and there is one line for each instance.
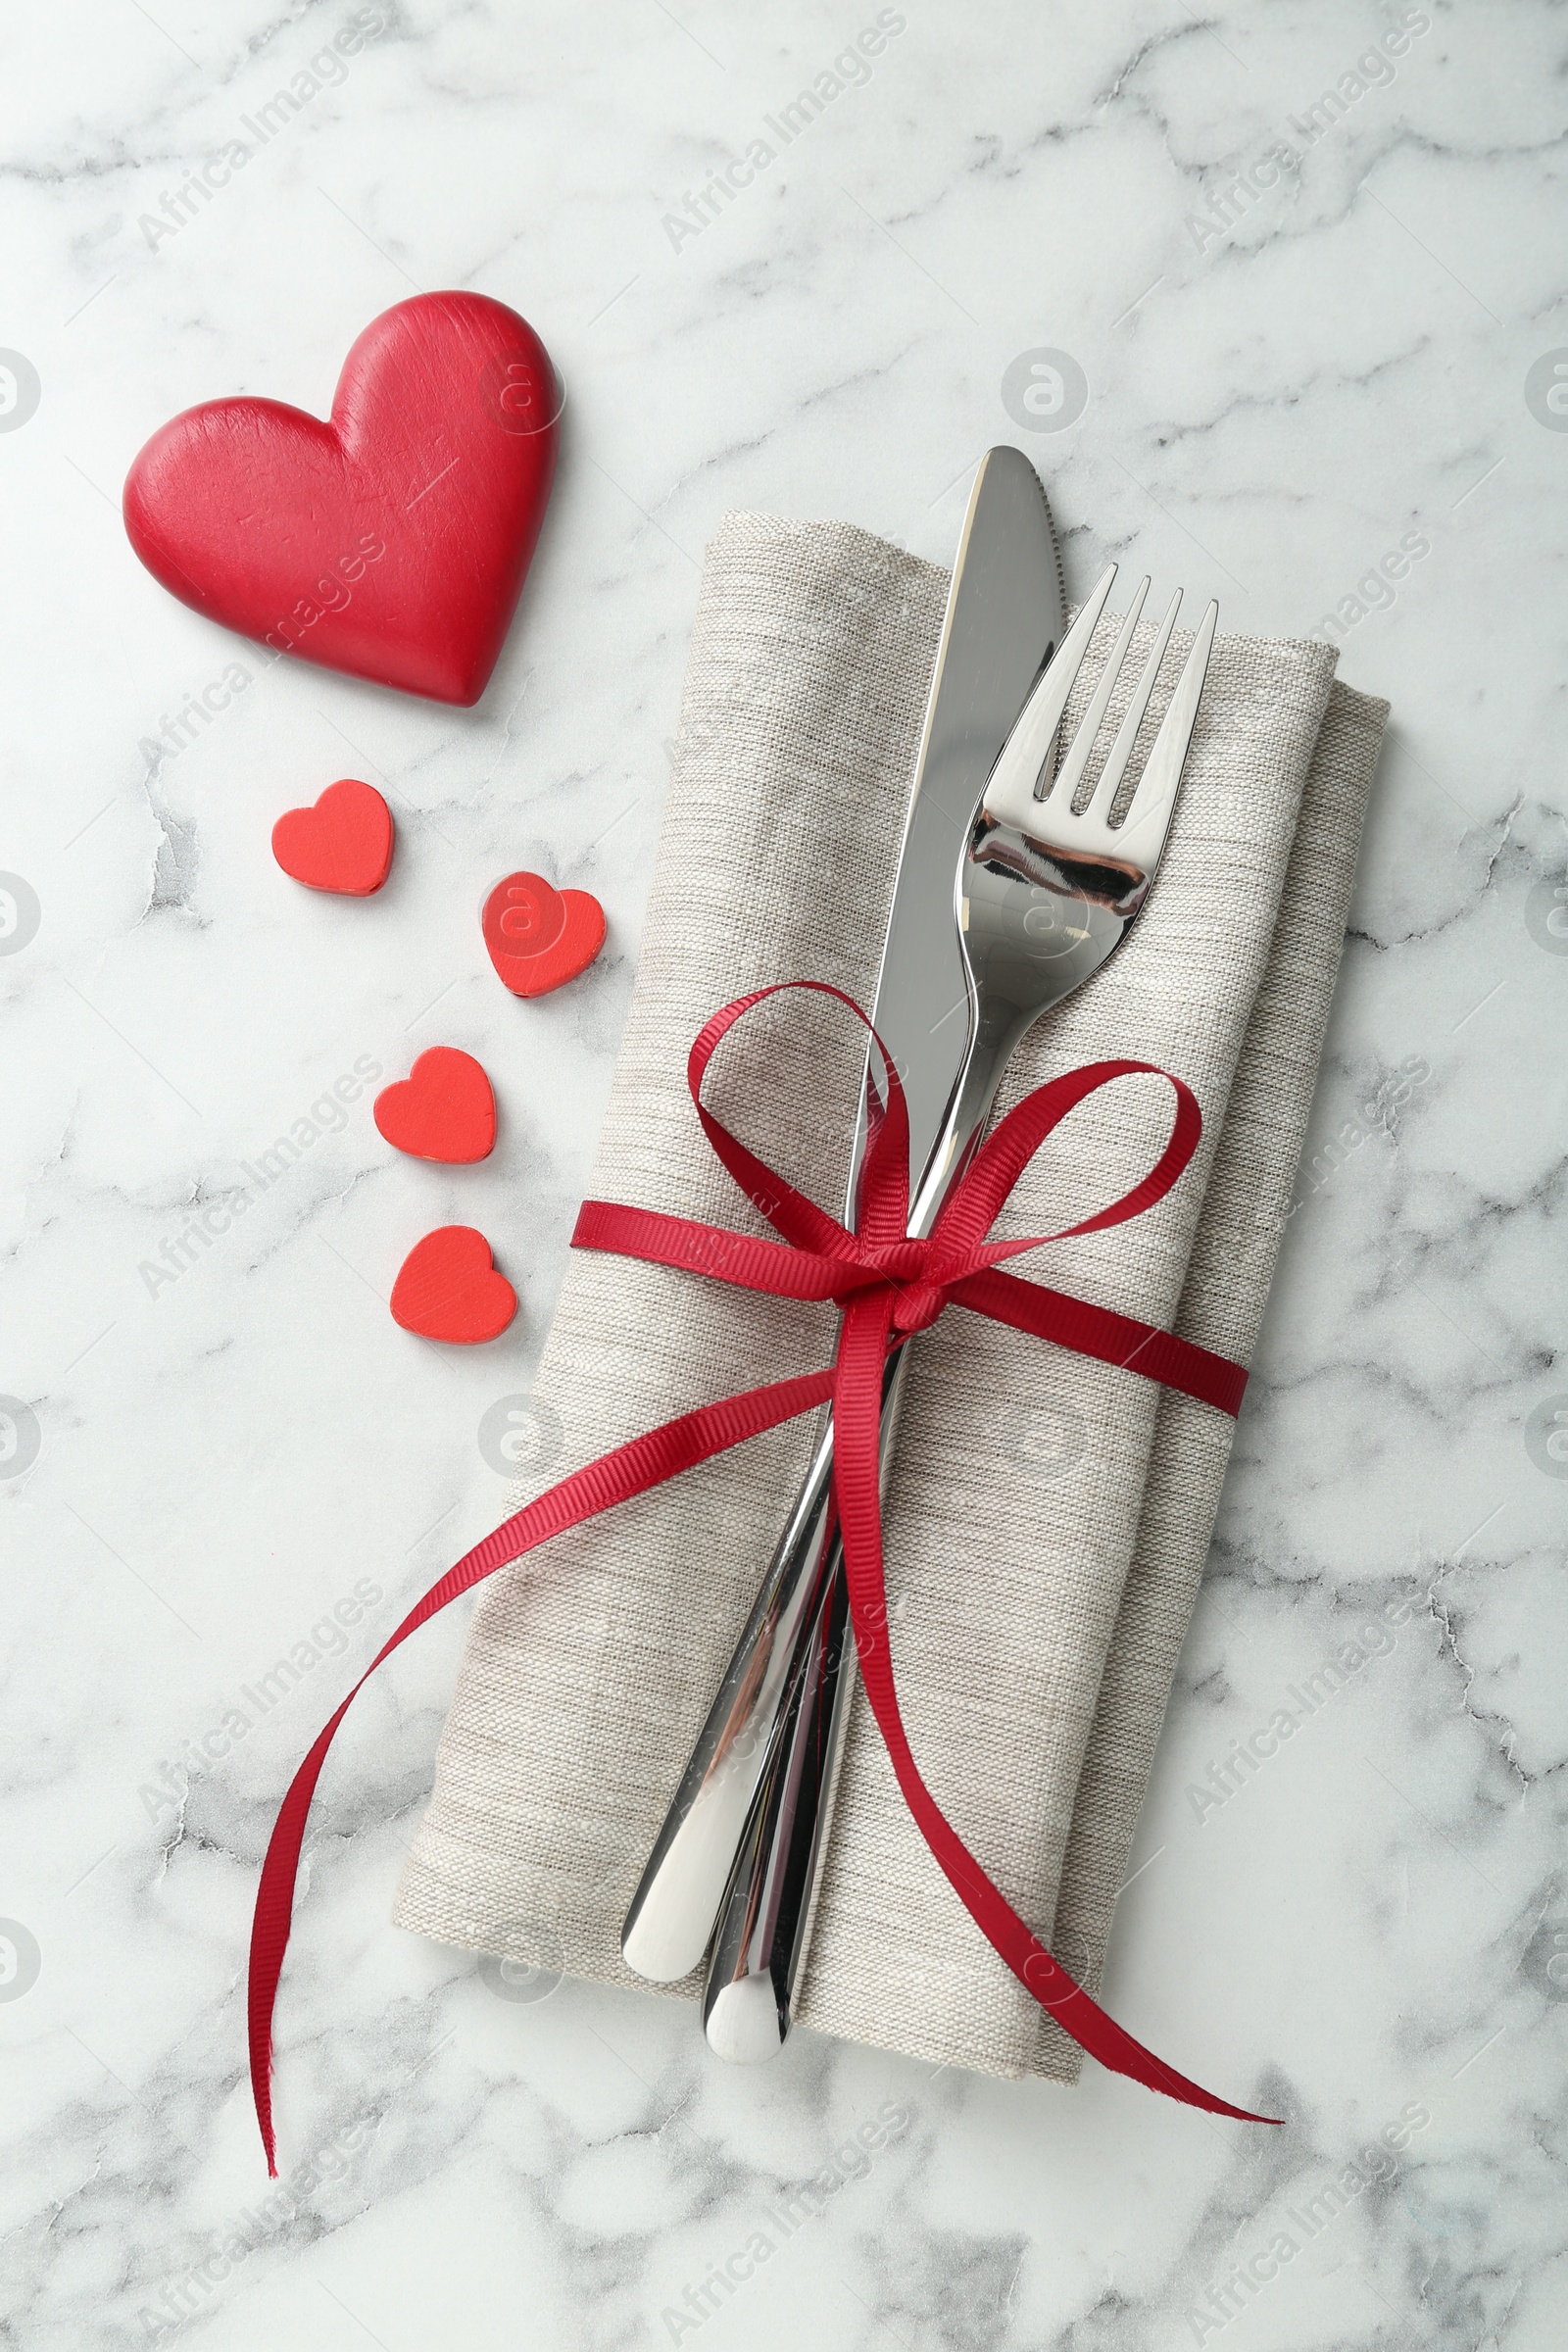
<point>886,1285</point>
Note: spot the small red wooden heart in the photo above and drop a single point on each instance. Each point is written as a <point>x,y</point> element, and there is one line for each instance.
<point>448,1288</point>
<point>344,843</point>
<point>393,541</point>
<point>538,937</point>
<point>445,1109</point>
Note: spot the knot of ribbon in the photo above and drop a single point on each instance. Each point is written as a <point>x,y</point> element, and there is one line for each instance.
<point>887,1285</point>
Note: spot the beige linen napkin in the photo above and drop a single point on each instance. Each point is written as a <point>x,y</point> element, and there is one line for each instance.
<point>1048,1518</point>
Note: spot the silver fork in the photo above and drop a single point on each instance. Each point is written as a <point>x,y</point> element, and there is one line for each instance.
<point>1042,898</point>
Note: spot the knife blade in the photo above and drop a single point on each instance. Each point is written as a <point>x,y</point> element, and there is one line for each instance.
<point>1004,616</point>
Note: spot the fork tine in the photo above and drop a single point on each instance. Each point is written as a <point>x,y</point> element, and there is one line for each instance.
<point>1011,793</point>
<point>1150,814</point>
<point>1120,752</point>
<point>1070,775</point>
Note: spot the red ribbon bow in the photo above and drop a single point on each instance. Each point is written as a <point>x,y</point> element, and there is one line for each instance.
<point>886,1286</point>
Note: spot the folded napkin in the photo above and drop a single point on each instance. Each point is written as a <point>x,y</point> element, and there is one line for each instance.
<point>1049,1517</point>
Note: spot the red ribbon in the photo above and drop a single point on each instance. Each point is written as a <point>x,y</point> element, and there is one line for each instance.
<point>886,1286</point>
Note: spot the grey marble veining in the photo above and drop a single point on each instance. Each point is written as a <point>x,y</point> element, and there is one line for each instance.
<point>1274,297</point>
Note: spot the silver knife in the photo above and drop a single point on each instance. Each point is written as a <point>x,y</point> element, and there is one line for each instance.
<point>765,1924</point>
<point>771,1733</point>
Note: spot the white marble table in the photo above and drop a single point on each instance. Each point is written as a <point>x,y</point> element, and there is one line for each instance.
<point>1293,369</point>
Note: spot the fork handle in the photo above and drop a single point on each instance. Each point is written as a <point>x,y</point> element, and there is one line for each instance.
<point>770,1903</point>
<point>769,1906</point>
<point>765,1924</point>
<point>671,1920</point>
<point>689,1872</point>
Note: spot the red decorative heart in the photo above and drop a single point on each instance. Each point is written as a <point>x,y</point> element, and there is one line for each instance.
<point>448,1288</point>
<point>392,541</point>
<point>444,1108</point>
<point>343,844</point>
<point>538,937</point>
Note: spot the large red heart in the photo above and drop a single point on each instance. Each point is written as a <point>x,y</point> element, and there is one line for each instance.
<point>392,541</point>
<point>343,844</point>
<point>540,938</point>
<point>448,1288</point>
<point>444,1109</point>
